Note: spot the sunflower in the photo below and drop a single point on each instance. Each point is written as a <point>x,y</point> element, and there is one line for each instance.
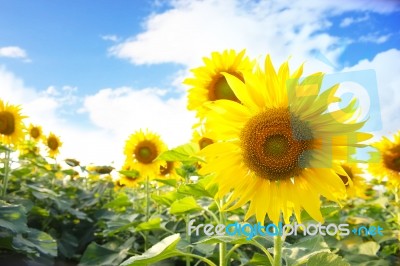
<point>168,170</point>
<point>389,162</point>
<point>35,132</point>
<point>353,180</point>
<point>11,125</point>
<point>128,177</point>
<point>141,150</point>
<point>201,138</point>
<point>209,84</point>
<point>277,149</point>
<point>53,144</point>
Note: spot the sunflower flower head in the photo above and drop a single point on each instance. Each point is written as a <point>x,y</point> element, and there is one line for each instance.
<point>209,83</point>
<point>141,150</point>
<point>277,148</point>
<point>356,185</point>
<point>53,144</point>
<point>389,160</point>
<point>129,177</point>
<point>35,132</point>
<point>11,124</point>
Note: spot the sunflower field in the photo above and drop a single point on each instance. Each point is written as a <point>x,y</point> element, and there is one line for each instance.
<point>270,177</point>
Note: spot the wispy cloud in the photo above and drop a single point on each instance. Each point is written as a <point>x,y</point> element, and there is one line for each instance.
<point>192,29</point>
<point>352,20</point>
<point>375,38</point>
<point>14,52</point>
<point>113,38</point>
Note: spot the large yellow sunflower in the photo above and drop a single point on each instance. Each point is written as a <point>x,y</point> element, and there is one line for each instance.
<point>141,150</point>
<point>35,132</point>
<point>277,149</point>
<point>11,125</point>
<point>53,144</point>
<point>209,84</point>
<point>389,163</point>
<point>356,185</point>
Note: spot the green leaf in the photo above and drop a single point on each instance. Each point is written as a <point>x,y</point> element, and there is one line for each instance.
<point>369,248</point>
<point>259,259</point>
<point>122,200</point>
<point>224,239</point>
<point>36,242</point>
<point>327,210</point>
<point>98,255</point>
<point>13,218</point>
<point>131,173</point>
<point>306,246</point>
<point>166,198</point>
<point>151,224</point>
<point>200,189</point>
<point>185,205</point>
<point>164,249</point>
<point>168,182</point>
<point>327,259</point>
<point>184,153</point>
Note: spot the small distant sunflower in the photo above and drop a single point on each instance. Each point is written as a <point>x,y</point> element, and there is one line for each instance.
<point>11,125</point>
<point>389,163</point>
<point>201,139</point>
<point>168,170</point>
<point>353,180</point>
<point>277,148</point>
<point>129,177</point>
<point>53,144</point>
<point>209,83</point>
<point>141,150</point>
<point>35,132</point>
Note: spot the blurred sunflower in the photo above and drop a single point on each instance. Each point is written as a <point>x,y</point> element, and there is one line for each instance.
<point>277,148</point>
<point>53,144</point>
<point>389,163</point>
<point>200,138</point>
<point>128,177</point>
<point>11,125</point>
<point>354,182</point>
<point>168,170</point>
<point>209,84</point>
<point>35,132</point>
<point>141,150</point>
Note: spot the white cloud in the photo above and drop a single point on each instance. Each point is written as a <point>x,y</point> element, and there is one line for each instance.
<point>14,52</point>
<point>113,38</point>
<point>122,111</point>
<point>85,143</point>
<point>375,38</point>
<point>352,20</point>
<point>192,29</point>
<point>386,66</point>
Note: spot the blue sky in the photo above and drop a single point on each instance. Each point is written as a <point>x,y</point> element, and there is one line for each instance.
<point>95,71</point>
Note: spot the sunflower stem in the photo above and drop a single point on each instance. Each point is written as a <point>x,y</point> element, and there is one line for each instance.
<point>146,234</point>
<point>187,218</point>
<point>277,250</point>
<point>222,245</point>
<point>6,172</point>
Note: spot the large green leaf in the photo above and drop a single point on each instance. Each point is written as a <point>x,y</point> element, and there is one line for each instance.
<point>200,189</point>
<point>164,249</point>
<point>327,259</point>
<point>96,255</point>
<point>36,242</point>
<point>151,224</point>
<point>13,218</point>
<point>304,248</point>
<point>185,205</point>
<point>224,239</point>
<point>184,153</point>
